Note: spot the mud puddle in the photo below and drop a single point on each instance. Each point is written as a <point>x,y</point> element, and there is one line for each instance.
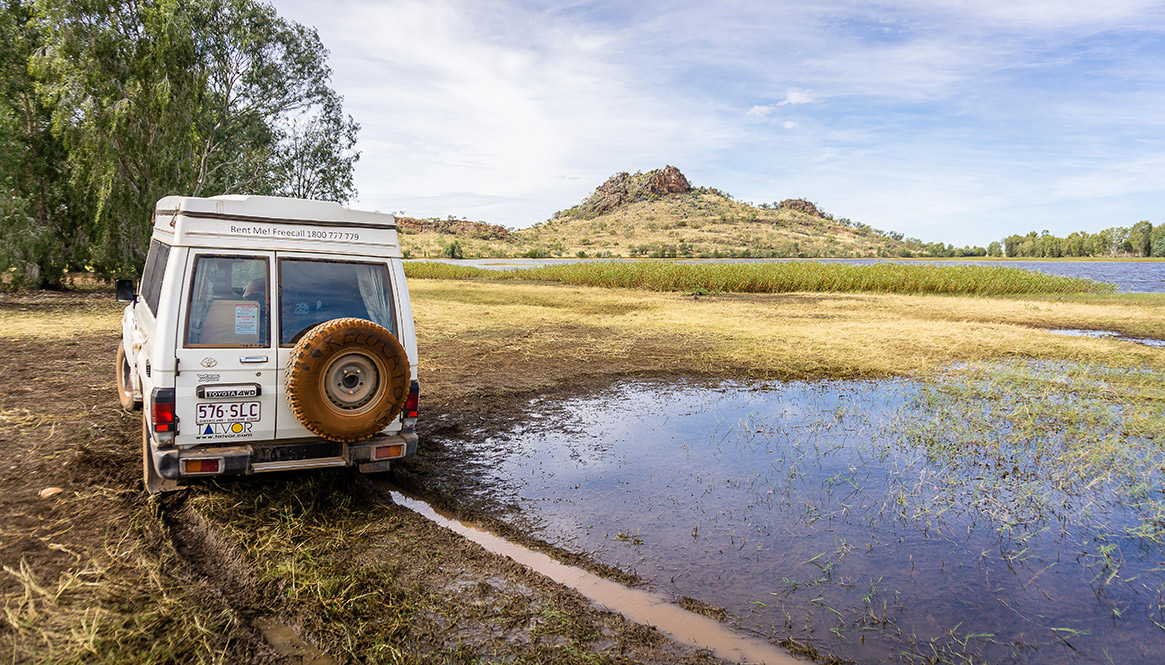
<point>290,645</point>
<point>637,605</point>
<point>847,516</point>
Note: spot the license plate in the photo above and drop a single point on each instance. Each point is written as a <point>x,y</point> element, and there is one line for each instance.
<point>228,412</point>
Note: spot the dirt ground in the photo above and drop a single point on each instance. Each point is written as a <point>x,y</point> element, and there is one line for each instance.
<point>323,567</point>
<point>311,568</point>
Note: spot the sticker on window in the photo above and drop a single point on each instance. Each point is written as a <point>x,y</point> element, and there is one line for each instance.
<point>247,319</point>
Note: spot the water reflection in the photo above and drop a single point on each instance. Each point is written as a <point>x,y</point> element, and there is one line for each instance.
<point>831,513</point>
<point>1107,334</point>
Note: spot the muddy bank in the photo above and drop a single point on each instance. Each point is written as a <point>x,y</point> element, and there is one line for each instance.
<point>315,567</point>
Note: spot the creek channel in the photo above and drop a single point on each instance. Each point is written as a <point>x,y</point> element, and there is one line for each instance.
<point>813,511</point>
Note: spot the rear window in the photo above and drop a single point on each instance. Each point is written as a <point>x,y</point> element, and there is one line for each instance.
<point>151,287</point>
<point>228,302</point>
<point>311,292</point>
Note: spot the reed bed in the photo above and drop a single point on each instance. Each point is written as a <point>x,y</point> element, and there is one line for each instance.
<point>780,277</point>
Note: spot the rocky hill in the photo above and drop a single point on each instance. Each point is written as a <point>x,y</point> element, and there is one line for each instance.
<point>454,227</point>
<point>623,188</point>
<point>660,214</point>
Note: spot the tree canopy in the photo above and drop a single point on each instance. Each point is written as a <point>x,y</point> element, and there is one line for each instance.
<point>1142,239</point>
<point>109,105</point>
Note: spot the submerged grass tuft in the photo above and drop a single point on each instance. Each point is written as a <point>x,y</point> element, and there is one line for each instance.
<point>780,277</point>
<point>1047,440</point>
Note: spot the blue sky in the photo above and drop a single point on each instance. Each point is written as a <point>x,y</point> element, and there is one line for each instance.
<point>949,120</point>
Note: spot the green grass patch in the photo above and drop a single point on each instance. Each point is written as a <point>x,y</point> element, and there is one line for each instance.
<point>782,277</point>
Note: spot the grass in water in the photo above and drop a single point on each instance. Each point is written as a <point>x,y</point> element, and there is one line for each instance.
<point>782,277</point>
<point>1048,442</point>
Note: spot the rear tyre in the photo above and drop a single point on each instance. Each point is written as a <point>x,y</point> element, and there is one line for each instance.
<point>347,379</point>
<point>155,482</point>
<point>125,382</point>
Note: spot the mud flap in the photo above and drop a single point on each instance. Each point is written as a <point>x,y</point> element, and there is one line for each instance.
<point>155,483</point>
<point>373,467</point>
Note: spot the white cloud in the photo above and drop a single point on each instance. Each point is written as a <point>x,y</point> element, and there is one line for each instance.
<point>795,97</point>
<point>529,111</point>
<point>788,124</point>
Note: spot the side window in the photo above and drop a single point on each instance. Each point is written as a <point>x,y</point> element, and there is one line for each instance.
<point>228,302</point>
<point>151,287</point>
<point>311,292</point>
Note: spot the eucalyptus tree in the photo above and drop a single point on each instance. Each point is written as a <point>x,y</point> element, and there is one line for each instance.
<point>40,213</point>
<point>200,97</point>
<point>123,83</point>
<point>270,123</point>
<point>315,155</point>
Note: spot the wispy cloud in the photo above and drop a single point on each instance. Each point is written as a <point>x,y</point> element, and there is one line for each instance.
<point>793,98</point>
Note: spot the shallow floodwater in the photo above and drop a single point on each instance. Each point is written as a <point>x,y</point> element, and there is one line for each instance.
<point>1108,334</point>
<point>637,605</point>
<point>807,512</point>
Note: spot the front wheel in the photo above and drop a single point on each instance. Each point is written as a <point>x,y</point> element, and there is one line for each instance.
<point>125,382</point>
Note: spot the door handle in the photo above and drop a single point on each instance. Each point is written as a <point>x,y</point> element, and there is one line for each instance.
<point>253,359</point>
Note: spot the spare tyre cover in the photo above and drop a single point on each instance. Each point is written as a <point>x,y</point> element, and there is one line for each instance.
<point>347,379</point>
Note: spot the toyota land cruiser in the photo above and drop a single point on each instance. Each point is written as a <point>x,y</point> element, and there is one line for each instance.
<point>268,334</point>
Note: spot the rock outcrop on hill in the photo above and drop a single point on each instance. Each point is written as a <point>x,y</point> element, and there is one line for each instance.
<point>458,227</point>
<point>623,188</point>
<point>667,180</point>
<point>801,205</point>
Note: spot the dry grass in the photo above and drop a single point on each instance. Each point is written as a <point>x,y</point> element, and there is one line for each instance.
<point>57,316</point>
<point>780,277</point>
<point>117,604</point>
<point>551,332</point>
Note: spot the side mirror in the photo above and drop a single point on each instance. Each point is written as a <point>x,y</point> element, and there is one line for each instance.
<point>125,290</point>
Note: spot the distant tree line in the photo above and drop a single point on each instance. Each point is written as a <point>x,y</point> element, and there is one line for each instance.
<point>108,105</point>
<point>1141,239</point>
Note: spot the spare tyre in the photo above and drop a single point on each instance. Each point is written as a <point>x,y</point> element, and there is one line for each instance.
<point>347,379</point>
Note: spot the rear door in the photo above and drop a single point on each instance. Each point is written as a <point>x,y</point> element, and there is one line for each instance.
<point>313,290</point>
<point>225,388</point>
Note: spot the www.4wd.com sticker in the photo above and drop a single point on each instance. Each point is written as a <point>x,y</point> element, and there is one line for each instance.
<point>224,431</point>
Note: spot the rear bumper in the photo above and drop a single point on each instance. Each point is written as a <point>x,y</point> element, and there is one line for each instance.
<point>373,454</point>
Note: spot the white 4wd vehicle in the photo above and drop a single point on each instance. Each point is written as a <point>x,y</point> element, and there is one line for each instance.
<point>268,334</point>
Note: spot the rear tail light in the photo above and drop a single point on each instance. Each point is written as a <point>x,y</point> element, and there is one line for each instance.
<point>213,465</point>
<point>390,451</point>
<point>410,410</point>
<point>162,418</point>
